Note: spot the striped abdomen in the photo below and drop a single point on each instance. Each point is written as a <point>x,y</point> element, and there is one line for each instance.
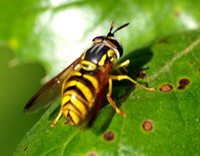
<point>78,94</point>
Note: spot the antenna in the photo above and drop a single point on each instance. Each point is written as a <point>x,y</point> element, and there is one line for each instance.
<point>111,28</point>
<point>121,27</point>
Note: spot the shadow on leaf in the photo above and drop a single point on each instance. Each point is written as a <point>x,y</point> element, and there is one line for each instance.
<point>122,89</point>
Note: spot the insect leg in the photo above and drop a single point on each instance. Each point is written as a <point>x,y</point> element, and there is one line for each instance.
<point>123,64</point>
<point>56,119</point>
<point>110,100</point>
<point>122,77</point>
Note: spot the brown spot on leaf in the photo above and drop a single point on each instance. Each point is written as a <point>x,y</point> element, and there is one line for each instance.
<point>92,154</point>
<point>163,42</point>
<point>199,69</point>
<point>183,83</point>
<point>191,63</point>
<point>181,87</point>
<point>177,13</point>
<point>166,88</point>
<point>25,148</point>
<point>108,136</point>
<point>147,125</point>
<point>141,75</point>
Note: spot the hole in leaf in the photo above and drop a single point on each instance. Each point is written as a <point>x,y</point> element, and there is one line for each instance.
<point>92,154</point>
<point>183,83</point>
<point>108,136</point>
<point>166,88</point>
<point>141,75</point>
<point>147,125</point>
<point>25,148</point>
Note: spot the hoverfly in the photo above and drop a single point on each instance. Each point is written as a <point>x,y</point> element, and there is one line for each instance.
<point>82,84</point>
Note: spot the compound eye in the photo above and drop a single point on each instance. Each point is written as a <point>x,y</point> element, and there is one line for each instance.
<point>118,46</point>
<point>98,39</point>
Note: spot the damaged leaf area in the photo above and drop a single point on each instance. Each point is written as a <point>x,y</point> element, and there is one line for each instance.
<point>156,121</point>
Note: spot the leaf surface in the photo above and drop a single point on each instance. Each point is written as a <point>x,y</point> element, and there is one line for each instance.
<point>173,115</point>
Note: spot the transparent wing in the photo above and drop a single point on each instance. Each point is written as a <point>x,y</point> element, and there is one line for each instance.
<point>51,91</point>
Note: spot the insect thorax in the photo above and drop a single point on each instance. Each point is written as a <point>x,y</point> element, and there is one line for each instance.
<point>100,53</point>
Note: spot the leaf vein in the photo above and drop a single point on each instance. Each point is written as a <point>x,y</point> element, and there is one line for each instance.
<point>176,57</point>
<point>67,142</point>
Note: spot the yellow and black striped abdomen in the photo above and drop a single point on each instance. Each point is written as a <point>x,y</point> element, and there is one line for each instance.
<point>78,93</point>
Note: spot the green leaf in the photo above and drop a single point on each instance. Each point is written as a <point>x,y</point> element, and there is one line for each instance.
<point>54,33</point>
<point>172,116</point>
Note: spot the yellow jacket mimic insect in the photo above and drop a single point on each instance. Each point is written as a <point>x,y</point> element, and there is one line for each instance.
<point>83,83</point>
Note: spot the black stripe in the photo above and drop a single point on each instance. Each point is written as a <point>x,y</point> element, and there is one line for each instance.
<point>73,78</point>
<point>69,118</point>
<point>96,53</point>
<point>80,118</point>
<point>75,108</point>
<point>77,78</point>
<point>83,80</point>
<point>76,89</point>
<point>66,103</point>
<point>88,84</point>
<point>86,106</point>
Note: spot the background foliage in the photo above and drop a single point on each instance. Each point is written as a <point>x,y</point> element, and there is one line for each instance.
<point>43,37</point>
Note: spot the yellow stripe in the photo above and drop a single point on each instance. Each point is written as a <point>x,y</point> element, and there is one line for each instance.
<point>70,84</point>
<point>66,83</point>
<point>65,113</point>
<point>65,99</point>
<point>79,105</point>
<point>87,65</point>
<point>85,90</point>
<point>111,54</point>
<point>72,92</point>
<point>70,107</point>
<point>75,73</point>
<point>102,61</point>
<point>75,118</point>
<point>93,80</point>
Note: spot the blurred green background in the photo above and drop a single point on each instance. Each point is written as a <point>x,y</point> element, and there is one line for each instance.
<point>40,38</point>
